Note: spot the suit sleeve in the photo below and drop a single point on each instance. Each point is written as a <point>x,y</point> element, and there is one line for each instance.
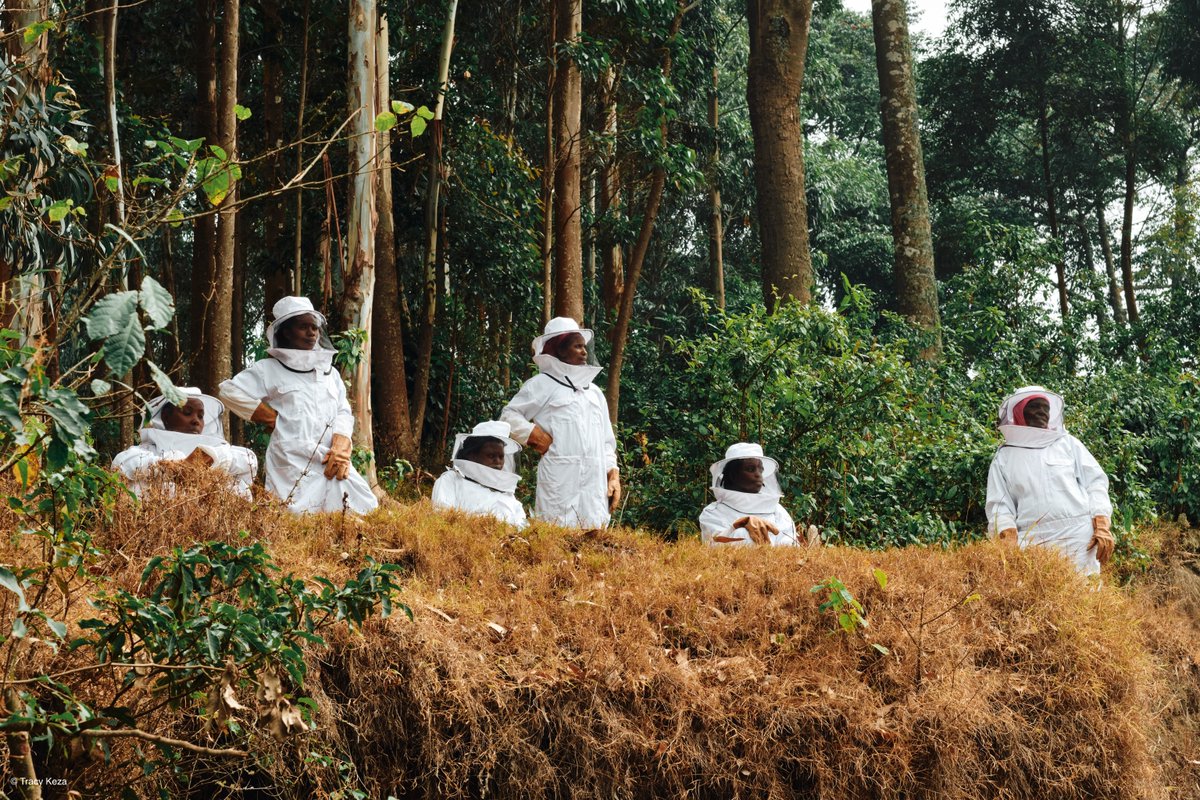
<point>242,393</point>
<point>521,410</point>
<point>1001,506</point>
<point>134,459</point>
<point>1094,481</point>
<point>343,423</point>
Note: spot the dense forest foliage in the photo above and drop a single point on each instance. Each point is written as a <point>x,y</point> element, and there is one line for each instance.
<point>771,243</point>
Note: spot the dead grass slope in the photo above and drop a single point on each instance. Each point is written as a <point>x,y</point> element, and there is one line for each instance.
<point>569,665</point>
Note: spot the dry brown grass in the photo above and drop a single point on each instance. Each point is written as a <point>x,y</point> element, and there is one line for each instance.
<point>565,664</point>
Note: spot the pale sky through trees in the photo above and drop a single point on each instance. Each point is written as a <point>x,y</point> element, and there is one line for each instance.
<point>930,14</point>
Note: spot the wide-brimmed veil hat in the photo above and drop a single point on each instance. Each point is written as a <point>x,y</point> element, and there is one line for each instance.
<point>738,451</point>
<point>1011,410</point>
<point>290,307</point>
<point>558,327</point>
<point>495,429</point>
<point>214,409</point>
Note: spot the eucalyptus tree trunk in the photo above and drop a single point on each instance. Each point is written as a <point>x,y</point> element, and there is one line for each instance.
<point>218,295</point>
<point>1060,265</point>
<point>568,105</point>
<point>358,297</point>
<point>775,75</point>
<point>420,394</point>
<point>274,210</point>
<point>912,238</point>
<point>612,255</point>
<point>204,229</point>
<point>298,236</point>
<point>547,241</point>
<point>393,431</point>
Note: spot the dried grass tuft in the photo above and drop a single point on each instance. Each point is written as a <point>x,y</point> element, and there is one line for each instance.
<point>552,663</point>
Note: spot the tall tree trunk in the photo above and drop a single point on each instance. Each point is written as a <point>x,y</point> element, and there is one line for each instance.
<point>568,105</point>
<point>1110,267</point>
<point>1095,283</point>
<point>237,324</point>
<point>359,286</point>
<point>620,331</point>
<point>716,227</point>
<point>775,75</point>
<point>613,279</point>
<point>436,176</point>
<point>219,299</point>
<point>274,211</point>
<point>298,238</point>
<point>548,170</point>
<point>125,410</point>
<point>393,434</point>
<point>204,235</point>
<point>916,283</point>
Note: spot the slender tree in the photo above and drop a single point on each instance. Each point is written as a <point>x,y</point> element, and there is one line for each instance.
<point>358,297</point>
<point>916,284</point>
<point>204,230</point>
<point>775,75</point>
<point>568,104</point>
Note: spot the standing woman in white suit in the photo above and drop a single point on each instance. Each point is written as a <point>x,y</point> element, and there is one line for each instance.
<point>1044,487</point>
<point>298,394</point>
<point>561,414</point>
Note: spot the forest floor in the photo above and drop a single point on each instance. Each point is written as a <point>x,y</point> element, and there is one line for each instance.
<point>555,663</point>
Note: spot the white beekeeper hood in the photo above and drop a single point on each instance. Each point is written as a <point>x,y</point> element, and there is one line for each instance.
<point>577,376</point>
<point>320,357</point>
<point>765,500</point>
<point>214,409</point>
<point>1009,418</point>
<point>502,480</point>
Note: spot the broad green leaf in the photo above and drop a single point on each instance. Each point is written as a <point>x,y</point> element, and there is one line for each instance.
<point>110,183</point>
<point>385,121</point>
<point>156,302</point>
<point>112,313</point>
<point>174,217</point>
<point>100,388</point>
<point>187,145</point>
<point>59,210</point>
<point>219,152</point>
<point>69,413</point>
<point>417,126</point>
<point>5,202</point>
<point>143,179</point>
<point>123,349</point>
<point>10,582</point>
<point>401,107</point>
<point>169,390</point>
<point>18,628</point>
<point>59,628</point>
<point>424,111</point>
<point>881,578</point>
<point>241,112</point>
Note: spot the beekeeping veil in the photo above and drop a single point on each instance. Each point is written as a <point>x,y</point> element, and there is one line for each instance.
<point>502,480</point>
<point>1011,422</point>
<point>155,430</point>
<point>320,357</point>
<point>766,499</point>
<point>576,376</point>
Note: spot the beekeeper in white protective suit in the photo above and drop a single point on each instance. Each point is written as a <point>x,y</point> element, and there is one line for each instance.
<point>561,414</point>
<point>483,475</point>
<point>747,509</point>
<point>190,433</point>
<point>1044,487</point>
<point>297,393</point>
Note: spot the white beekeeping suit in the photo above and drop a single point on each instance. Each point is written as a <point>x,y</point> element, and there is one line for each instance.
<point>301,393</point>
<point>578,473</point>
<point>479,489</point>
<point>719,520</point>
<point>1045,485</point>
<point>159,444</point>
